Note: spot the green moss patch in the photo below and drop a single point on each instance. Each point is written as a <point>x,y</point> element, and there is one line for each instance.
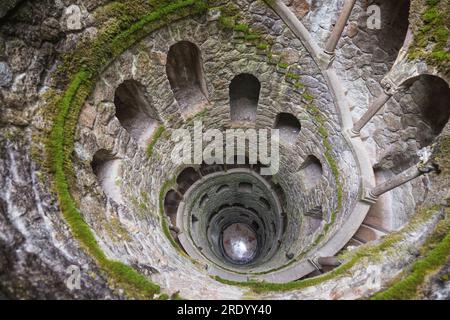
<point>78,72</point>
<point>371,252</point>
<point>435,252</point>
<point>441,155</point>
<point>154,139</point>
<point>314,111</point>
<point>431,33</point>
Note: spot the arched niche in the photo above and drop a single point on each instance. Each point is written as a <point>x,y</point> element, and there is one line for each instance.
<point>395,17</point>
<point>265,202</point>
<point>187,178</point>
<point>185,73</point>
<point>289,127</point>
<point>244,96</point>
<point>203,200</point>
<point>245,187</point>
<point>134,111</point>
<point>107,169</point>
<point>222,188</point>
<point>311,172</point>
<point>280,194</point>
<point>426,107</point>
<point>385,42</point>
<point>206,168</point>
<point>171,203</point>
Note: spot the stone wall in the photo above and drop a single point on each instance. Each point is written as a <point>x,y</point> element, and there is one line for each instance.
<point>122,205</point>
<point>142,179</point>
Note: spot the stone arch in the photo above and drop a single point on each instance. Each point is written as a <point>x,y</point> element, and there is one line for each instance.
<point>280,194</point>
<point>206,168</point>
<point>135,112</point>
<point>265,202</point>
<point>311,172</point>
<point>222,188</point>
<point>289,127</point>
<point>107,169</point>
<point>185,73</point>
<point>244,97</point>
<point>203,200</point>
<point>245,187</point>
<point>386,41</point>
<point>425,107</point>
<point>187,178</point>
<point>171,202</point>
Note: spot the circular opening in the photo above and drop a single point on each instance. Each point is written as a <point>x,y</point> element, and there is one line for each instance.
<point>239,243</point>
<point>237,224</point>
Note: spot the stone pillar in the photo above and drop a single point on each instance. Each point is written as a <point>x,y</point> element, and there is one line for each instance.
<point>400,179</point>
<point>388,91</point>
<point>332,42</point>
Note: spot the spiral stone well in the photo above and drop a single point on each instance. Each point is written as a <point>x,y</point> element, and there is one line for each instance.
<point>93,95</point>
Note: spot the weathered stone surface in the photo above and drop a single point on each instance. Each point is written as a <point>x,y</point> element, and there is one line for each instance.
<point>5,74</point>
<point>50,29</point>
<point>121,205</point>
<point>300,8</point>
<point>7,5</point>
<point>19,55</point>
<point>87,116</point>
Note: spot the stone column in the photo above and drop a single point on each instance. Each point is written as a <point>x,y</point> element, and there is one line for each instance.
<point>400,179</point>
<point>376,105</point>
<point>332,42</point>
<point>388,91</point>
